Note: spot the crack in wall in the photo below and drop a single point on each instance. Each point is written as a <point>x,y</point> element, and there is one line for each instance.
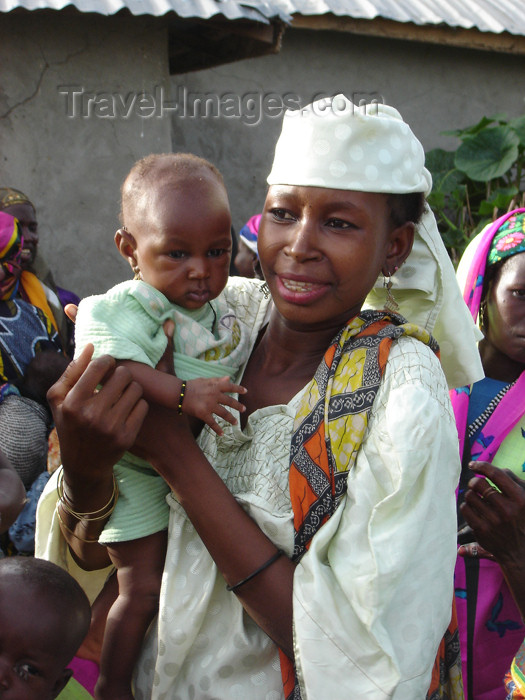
<point>47,66</point>
<point>27,99</point>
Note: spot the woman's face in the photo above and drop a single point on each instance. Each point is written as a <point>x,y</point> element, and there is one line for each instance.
<point>27,219</point>
<point>503,349</point>
<point>321,251</point>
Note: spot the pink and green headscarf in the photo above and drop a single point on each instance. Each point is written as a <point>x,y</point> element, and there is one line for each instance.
<point>509,240</point>
<point>500,240</point>
<point>11,241</point>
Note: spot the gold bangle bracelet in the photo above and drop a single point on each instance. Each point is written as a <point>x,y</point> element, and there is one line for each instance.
<point>71,512</point>
<point>101,512</point>
<point>63,496</point>
<point>82,539</point>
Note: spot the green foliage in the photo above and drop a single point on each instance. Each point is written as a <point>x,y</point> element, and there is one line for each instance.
<point>478,182</point>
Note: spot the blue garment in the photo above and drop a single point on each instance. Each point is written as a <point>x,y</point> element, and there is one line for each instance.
<point>24,331</point>
<point>22,531</point>
<point>481,395</point>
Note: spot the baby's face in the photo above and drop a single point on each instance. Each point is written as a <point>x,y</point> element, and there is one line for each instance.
<point>183,249</point>
<point>31,647</point>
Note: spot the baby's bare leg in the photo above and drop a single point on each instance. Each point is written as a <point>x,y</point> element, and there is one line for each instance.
<point>139,565</point>
<point>91,647</point>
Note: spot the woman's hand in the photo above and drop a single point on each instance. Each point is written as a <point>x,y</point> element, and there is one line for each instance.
<point>95,426</point>
<point>497,517</point>
<point>71,311</point>
<point>473,549</point>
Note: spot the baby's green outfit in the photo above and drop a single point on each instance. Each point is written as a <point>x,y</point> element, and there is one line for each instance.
<point>127,323</point>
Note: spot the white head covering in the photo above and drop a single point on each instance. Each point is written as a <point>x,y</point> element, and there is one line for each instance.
<point>335,144</point>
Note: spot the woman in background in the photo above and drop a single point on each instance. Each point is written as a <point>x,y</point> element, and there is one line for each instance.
<point>490,416</point>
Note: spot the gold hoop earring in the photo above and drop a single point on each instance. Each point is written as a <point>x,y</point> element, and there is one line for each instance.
<point>136,272</point>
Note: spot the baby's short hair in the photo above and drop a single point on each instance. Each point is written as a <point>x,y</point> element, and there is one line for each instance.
<point>60,592</point>
<point>158,168</point>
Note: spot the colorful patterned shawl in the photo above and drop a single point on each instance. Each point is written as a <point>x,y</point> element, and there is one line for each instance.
<point>330,425</point>
<point>515,679</point>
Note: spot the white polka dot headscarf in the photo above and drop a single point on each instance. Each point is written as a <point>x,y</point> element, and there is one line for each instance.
<point>335,144</point>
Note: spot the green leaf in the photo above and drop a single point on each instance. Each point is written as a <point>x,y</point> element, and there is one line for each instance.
<point>486,208</point>
<point>436,200</point>
<point>438,160</point>
<point>502,196</point>
<point>488,154</point>
<point>471,130</point>
<point>445,176</point>
<point>518,125</point>
<point>499,199</point>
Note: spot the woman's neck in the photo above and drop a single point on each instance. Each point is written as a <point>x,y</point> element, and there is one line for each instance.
<point>286,347</point>
<point>284,360</point>
<point>497,365</point>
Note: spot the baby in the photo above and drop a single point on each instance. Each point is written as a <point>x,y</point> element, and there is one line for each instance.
<point>176,235</point>
<point>44,616</point>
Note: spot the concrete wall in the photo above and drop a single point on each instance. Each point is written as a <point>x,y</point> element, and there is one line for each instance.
<point>68,153</point>
<point>435,88</point>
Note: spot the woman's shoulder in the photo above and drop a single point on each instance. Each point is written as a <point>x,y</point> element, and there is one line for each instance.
<point>413,356</point>
<point>413,365</point>
<point>248,298</point>
<point>239,287</point>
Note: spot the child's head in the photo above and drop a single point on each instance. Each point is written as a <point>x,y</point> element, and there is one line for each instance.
<point>44,617</point>
<point>176,231</point>
<point>41,373</point>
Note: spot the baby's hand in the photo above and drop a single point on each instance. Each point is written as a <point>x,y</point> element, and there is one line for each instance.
<point>205,397</point>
